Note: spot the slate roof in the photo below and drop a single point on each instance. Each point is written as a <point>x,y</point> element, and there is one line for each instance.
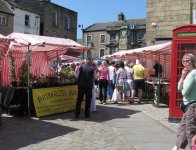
<point>103,26</point>
<point>5,8</point>
<point>30,6</point>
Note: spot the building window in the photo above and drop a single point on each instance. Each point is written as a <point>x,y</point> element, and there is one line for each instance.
<point>89,54</point>
<point>102,39</point>
<point>101,52</point>
<point>54,19</point>
<point>194,16</point>
<point>113,36</point>
<point>67,22</point>
<point>112,50</point>
<point>37,21</point>
<point>3,20</point>
<point>27,20</point>
<point>88,40</point>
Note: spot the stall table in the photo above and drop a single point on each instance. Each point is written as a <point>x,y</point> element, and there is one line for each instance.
<point>43,101</point>
<point>14,96</point>
<point>159,93</point>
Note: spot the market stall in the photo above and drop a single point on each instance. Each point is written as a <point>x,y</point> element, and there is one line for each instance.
<point>29,55</point>
<point>148,55</point>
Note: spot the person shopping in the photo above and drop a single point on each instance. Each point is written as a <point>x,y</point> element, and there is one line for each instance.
<point>187,85</point>
<point>85,77</point>
<point>103,72</point>
<point>121,78</point>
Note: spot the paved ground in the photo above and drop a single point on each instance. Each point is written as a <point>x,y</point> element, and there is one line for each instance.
<point>114,127</point>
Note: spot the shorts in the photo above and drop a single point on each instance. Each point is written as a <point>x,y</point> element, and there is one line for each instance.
<point>139,84</point>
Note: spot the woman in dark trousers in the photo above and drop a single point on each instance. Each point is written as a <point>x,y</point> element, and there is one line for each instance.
<point>187,85</point>
<point>103,72</point>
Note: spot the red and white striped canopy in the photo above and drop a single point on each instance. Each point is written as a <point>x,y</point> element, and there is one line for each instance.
<point>42,50</point>
<point>150,52</point>
<point>4,44</point>
<point>68,59</point>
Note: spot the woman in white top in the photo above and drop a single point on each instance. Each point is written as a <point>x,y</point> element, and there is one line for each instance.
<point>129,77</point>
<point>121,77</point>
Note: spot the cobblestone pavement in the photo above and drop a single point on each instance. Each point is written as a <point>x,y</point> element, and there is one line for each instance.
<point>114,127</point>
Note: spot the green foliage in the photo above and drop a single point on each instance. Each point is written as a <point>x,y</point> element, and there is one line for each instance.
<point>12,74</point>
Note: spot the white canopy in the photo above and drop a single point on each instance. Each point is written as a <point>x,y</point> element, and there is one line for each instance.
<point>51,45</point>
<point>150,52</point>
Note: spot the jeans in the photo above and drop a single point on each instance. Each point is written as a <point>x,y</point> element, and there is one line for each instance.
<point>103,84</point>
<point>187,127</point>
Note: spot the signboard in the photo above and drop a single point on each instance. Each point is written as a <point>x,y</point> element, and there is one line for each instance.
<point>48,101</point>
<point>186,34</point>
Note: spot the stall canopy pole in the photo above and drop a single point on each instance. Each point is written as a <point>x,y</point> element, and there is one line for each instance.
<point>57,63</point>
<point>159,84</point>
<point>28,80</point>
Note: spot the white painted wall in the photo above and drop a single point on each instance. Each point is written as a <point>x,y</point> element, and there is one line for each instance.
<point>19,22</point>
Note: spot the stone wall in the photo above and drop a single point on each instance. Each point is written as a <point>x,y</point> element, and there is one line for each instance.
<point>8,28</point>
<point>60,30</point>
<point>165,15</point>
<point>96,42</point>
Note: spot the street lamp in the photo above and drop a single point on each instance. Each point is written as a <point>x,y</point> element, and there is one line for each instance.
<point>81,26</point>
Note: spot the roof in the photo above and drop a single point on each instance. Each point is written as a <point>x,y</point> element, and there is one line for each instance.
<point>35,6</point>
<point>103,26</point>
<point>26,5</point>
<point>5,8</point>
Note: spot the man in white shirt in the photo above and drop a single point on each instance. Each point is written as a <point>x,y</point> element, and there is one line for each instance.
<point>112,75</point>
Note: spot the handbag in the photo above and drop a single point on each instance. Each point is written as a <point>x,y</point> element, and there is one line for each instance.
<point>185,107</point>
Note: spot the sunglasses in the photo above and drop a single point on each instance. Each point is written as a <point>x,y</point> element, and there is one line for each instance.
<point>186,61</point>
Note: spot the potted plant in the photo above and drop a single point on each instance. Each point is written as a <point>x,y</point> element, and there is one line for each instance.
<point>12,74</point>
<point>23,74</point>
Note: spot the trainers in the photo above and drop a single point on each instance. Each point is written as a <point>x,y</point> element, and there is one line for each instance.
<point>115,102</point>
<point>100,102</point>
<point>104,103</point>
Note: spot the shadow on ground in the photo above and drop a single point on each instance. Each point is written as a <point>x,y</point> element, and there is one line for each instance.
<point>105,113</point>
<point>18,132</point>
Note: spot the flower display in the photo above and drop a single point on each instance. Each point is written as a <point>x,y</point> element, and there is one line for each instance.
<point>12,74</point>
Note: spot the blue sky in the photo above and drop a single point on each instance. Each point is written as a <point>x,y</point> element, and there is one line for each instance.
<point>100,11</point>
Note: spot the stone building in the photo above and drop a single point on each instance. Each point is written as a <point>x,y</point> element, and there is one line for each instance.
<point>55,20</point>
<point>26,20</point>
<point>110,37</point>
<point>6,19</point>
<point>58,21</point>
<point>163,16</point>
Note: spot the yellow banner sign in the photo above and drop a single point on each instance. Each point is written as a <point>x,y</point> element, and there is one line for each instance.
<point>48,101</point>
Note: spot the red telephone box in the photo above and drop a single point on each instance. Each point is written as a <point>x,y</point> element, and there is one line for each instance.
<point>183,41</point>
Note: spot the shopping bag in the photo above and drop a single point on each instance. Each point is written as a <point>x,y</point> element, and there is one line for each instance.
<point>116,95</point>
<point>126,86</point>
